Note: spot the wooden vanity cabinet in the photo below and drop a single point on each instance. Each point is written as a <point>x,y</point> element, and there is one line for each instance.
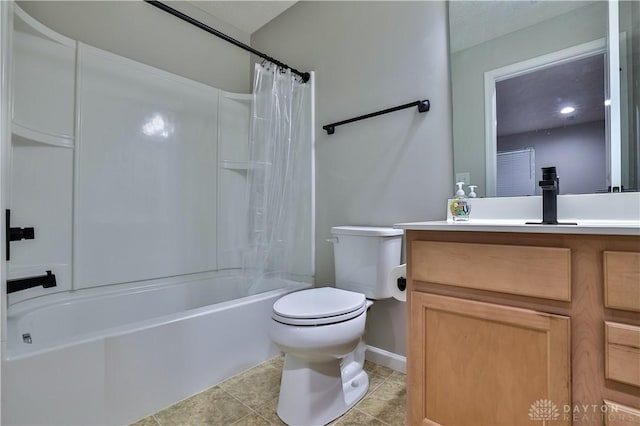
<point>483,363</point>
<point>507,328</point>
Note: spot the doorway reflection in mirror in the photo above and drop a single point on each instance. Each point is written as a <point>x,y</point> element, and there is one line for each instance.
<point>558,113</point>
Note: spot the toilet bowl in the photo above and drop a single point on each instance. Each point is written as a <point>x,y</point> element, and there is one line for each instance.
<point>323,375</point>
<point>320,330</point>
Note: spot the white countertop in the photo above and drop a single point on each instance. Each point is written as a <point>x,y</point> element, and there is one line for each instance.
<point>485,225</point>
<point>602,214</point>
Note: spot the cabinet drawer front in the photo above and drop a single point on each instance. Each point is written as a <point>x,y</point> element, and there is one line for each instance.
<point>622,353</point>
<point>543,272</point>
<point>622,280</point>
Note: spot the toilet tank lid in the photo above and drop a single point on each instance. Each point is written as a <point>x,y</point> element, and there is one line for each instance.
<point>366,231</point>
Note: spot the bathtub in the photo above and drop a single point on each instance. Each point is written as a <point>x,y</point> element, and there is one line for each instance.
<point>114,356</point>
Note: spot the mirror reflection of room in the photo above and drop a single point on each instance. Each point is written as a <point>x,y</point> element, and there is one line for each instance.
<point>554,116</point>
<point>489,39</point>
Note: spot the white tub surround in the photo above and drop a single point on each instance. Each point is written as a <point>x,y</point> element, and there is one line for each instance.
<point>115,369</point>
<point>134,179</point>
<point>160,194</point>
<point>607,214</point>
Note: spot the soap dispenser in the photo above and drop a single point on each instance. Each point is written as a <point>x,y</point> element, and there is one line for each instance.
<point>472,191</point>
<point>459,205</point>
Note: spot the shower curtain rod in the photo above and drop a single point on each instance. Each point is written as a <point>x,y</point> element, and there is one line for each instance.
<point>304,75</point>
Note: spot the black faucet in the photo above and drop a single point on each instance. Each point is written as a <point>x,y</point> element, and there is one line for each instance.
<point>46,281</point>
<point>550,185</point>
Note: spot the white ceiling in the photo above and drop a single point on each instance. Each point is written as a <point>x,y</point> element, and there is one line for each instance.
<point>248,16</point>
<point>533,101</point>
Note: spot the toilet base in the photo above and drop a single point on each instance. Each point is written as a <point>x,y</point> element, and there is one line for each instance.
<point>315,393</point>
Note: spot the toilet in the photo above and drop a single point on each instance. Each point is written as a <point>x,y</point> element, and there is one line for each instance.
<point>320,330</point>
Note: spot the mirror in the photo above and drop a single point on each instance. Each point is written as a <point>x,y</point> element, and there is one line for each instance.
<point>515,66</point>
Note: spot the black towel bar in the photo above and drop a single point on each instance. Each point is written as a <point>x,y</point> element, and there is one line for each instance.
<point>423,106</point>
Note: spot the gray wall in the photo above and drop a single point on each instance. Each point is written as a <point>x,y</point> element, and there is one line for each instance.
<point>395,168</point>
<point>468,67</point>
<point>138,31</point>
<point>578,152</point>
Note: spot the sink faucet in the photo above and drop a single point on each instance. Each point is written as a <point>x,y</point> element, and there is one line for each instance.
<point>550,185</point>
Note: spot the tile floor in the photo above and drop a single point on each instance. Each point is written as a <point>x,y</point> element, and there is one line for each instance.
<point>251,398</point>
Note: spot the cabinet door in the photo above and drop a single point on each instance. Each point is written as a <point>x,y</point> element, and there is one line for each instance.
<point>473,363</point>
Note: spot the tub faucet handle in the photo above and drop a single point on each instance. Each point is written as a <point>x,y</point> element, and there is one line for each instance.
<point>15,234</point>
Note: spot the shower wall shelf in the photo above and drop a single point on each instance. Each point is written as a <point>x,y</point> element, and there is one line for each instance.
<point>423,106</point>
<point>27,24</point>
<point>43,81</point>
<point>235,165</point>
<point>23,134</point>
<point>241,165</point>
<point>241,97</point>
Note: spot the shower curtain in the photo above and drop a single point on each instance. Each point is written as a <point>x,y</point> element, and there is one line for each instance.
<point>278,177</point>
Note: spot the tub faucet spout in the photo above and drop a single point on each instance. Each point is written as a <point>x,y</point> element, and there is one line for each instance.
<point>46,281</point>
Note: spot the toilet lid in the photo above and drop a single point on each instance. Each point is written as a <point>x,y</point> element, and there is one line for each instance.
<point>325,305</point>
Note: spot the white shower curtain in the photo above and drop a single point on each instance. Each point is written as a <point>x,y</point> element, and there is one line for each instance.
<point>279,178</point>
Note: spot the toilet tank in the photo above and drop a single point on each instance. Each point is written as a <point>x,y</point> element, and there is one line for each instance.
<point>364,257</point>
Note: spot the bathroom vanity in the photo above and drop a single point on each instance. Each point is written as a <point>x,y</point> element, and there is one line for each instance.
<point>510,323</point>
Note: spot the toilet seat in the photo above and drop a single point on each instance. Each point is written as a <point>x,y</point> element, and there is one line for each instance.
<point>319,306</point>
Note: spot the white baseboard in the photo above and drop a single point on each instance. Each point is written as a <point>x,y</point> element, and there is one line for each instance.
<point>386,359</point>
